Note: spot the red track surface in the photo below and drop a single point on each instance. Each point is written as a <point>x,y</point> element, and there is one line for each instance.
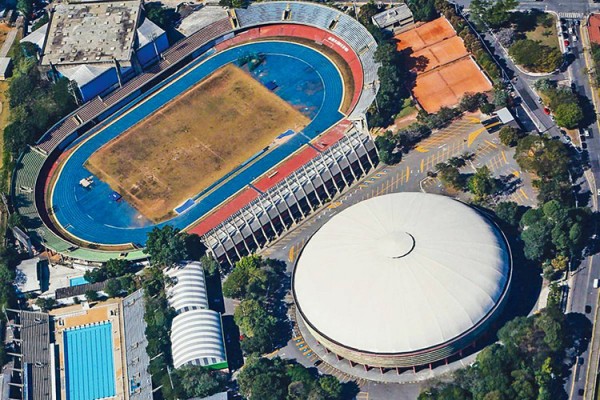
<point>225,211</point>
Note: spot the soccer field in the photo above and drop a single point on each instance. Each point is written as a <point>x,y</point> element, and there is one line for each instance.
<point>193,141</point>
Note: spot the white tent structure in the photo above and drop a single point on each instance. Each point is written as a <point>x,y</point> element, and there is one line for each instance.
<point>196,331</point>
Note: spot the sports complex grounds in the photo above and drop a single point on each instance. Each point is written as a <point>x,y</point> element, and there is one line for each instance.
<point>182,144</point>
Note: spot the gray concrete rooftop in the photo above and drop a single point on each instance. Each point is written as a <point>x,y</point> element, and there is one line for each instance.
<point>91,32</point>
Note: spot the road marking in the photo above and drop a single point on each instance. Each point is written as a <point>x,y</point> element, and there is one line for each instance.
<point>516,173</point>
<point>490,143</point>
<point>335,204</point>
<point>523,193</point>
<point>407,173</point>
<point>421,149</point>
<point>422,164</point>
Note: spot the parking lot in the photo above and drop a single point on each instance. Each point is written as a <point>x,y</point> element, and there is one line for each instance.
<point>467,135</point>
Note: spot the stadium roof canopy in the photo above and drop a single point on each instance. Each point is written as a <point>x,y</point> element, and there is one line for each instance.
<point>197,339</point>
<point>401,273</point>
<point>91,32</point>
<point>189,290</point>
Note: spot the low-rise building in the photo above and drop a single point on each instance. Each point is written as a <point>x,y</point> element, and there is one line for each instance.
<point>98,45</point>
<point>395,19</point>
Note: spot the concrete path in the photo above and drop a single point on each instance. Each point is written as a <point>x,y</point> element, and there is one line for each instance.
<point>10,39</point>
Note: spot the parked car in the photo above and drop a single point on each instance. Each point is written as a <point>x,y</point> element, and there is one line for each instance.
<point>566,42</point>
<point>546,111</point>
<point>574,38</point>
<point>585,132</point>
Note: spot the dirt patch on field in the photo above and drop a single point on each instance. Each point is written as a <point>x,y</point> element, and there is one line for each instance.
<point>193,141</point>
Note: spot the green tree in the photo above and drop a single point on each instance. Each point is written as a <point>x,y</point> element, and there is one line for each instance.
<point>494,13</point>
<point>166,246</point>
<point>252,277</point>
<point>45,304</point>
<point>423,10</point>
<point>509,136</point>
<point>535,56</point>
<point>508,212</point>
<point>450,175</point>
<point>91,295</point>
<point>25,7</point>
<point>264,379</point>
<point>387,147</point>
<point>113,287</point>
<point>331,387</point>
<point>95,275</point>
<point>162,16</point>
<point>568,115</point>
<point>472,101</point>
<point>482,184</point>
<point>116,267</point>
<point>197,381</point>
<point>210,265</point>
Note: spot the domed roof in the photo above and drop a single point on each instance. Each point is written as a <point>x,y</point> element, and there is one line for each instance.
<point>401,272</point>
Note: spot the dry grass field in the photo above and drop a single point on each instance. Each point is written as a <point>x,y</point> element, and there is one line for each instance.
<point>193,141</point>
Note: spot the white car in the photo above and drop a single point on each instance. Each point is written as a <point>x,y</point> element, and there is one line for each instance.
<point>586,133</point>
<point>574,38</point>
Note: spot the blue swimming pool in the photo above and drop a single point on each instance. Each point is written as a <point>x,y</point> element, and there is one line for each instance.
<point>80,280</point>
<point>89,363</point>
<point>305,78</point>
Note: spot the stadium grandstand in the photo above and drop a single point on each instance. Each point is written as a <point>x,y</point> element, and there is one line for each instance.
<point>265,206</point>
<point>196,331</point>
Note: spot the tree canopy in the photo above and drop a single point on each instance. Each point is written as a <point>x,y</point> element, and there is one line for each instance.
<point>277,379</point>
<point>482,184</point>
<point>166,246</point>
<point>252,277</point>
<point>197,381</point>
<point>494,13</point>
<point>525,365</point>
<point>162,16</point>
<point>536,56</point>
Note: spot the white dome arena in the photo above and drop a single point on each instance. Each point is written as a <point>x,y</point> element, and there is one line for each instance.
<point>401,280</point>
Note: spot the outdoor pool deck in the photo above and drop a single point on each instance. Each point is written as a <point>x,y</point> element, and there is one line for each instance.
<point>98,330</point>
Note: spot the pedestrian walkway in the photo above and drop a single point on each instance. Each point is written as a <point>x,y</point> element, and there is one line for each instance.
<point>10,39</point>
<point>571,15</point>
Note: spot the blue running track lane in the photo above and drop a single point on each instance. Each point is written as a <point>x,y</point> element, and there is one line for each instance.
<point>305,78</point>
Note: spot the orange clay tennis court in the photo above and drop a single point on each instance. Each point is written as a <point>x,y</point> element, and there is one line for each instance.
<point>441,53</point>
<point>425,35</point>
<point>444,87</point>
<point>447,71</point>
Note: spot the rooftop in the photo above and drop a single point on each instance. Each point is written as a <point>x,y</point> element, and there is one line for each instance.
<point>91,32</point>
<point>35,336</point>
<point>27,278</point>
<point>405,272</point>
<point>393,15</point>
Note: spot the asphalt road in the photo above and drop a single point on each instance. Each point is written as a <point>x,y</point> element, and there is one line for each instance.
<point>560,6</point>
<point>582,297</point>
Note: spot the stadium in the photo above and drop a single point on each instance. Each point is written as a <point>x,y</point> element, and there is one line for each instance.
<point>175,144</point>
<point>411,279</point>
